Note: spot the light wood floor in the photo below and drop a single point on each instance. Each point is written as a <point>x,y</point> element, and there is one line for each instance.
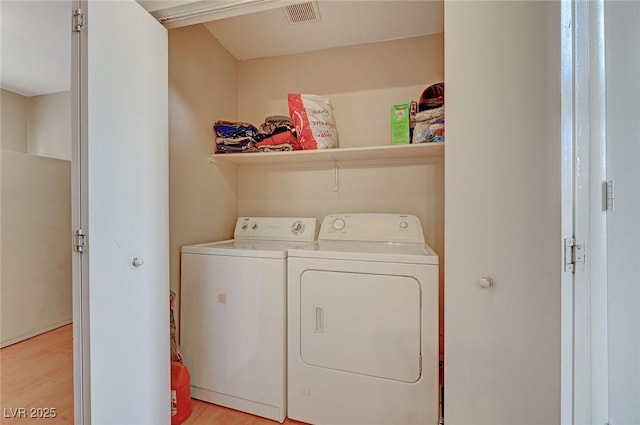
<point>37,373</point>
<point>209,414</point>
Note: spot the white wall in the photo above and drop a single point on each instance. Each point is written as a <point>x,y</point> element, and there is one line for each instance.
<point>502,203</point>
<point>15,110</point>
<point>50,125</point>
<point>38,125</point>
<point>36,249</point>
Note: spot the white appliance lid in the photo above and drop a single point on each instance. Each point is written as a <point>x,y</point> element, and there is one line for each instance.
<point>387,252</point>
<point>370,237</point>
<point>246,248</point>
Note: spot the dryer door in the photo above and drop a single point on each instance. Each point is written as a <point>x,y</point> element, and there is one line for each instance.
<point>361,323</point>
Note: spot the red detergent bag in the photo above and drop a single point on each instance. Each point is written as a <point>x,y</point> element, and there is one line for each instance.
<point>313,118</point>
<point>180,393</point>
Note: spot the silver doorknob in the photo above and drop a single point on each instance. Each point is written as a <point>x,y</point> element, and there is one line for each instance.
<point>137,262</point>
<point>486,282</point>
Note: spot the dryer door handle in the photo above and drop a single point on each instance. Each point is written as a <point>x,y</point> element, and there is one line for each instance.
<point>319,322</point>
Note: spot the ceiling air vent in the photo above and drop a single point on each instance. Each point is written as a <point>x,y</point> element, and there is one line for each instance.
<point>302,12</point>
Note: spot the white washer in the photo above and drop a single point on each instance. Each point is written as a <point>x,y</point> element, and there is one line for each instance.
<point>233,314</point>
<point>363,324</point>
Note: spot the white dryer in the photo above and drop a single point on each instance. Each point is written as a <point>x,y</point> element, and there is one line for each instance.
<point>233,314</point>
<point>363,324</point>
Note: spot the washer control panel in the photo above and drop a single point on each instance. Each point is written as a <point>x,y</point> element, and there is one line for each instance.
<point>372,227</point>
<point>276,228</point>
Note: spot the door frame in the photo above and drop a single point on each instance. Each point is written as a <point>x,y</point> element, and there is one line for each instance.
<point>79,220</point>
<point>584,293</point>
<point>567,51</point>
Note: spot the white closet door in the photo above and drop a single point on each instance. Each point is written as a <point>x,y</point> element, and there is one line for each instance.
<point>622,31</point>
<point>503,212</point>
<point>128,214</point>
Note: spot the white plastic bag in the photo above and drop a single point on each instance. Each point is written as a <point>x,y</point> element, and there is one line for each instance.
<point>313,118</point>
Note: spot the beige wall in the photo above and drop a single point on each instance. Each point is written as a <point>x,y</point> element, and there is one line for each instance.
<point>362,82</point>
<point>503,215</point>
<point>14,111</point>
<point>38,125</point>
<point>50,125</point>
<point>36,214</point>
<point>36,253</point>
<point>203,200</point>
<point>207,84</point>
<point>416,189</point>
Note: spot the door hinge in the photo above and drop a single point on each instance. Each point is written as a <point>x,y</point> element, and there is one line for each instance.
<point>78,20</point>
<point>610,196</point>
<point>573,254</point>
<point>79,240</point>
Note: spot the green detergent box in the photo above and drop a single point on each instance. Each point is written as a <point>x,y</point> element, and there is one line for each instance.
<point>400,124</point>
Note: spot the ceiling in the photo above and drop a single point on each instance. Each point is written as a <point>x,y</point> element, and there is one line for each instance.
<point>35,37</point>
<point>341,23</point>
<point>35,46</point>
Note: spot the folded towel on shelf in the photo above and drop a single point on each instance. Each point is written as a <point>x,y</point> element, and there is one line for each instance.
<point>285,137</point>
<point>276,148</point>
<point>427,131</point>
<point>233,129</point>
<point>235,141</point>
<point>428,126</point>
<point>250,147</point>
<point>276,124</point>
<point>428,115</point>
<point>235,136</point>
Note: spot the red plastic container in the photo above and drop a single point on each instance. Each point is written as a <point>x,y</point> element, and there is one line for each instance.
<point>180,393</point>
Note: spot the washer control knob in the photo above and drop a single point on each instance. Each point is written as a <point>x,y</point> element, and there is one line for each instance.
<point>404,225</point>
<point>254,226</point>
<point>338,224</point>
<point>245,226</point>
<point>297,227</point>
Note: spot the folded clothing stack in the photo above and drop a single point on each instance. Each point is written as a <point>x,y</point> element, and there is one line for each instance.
<point>234,136</point>
<point>277,133</point>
